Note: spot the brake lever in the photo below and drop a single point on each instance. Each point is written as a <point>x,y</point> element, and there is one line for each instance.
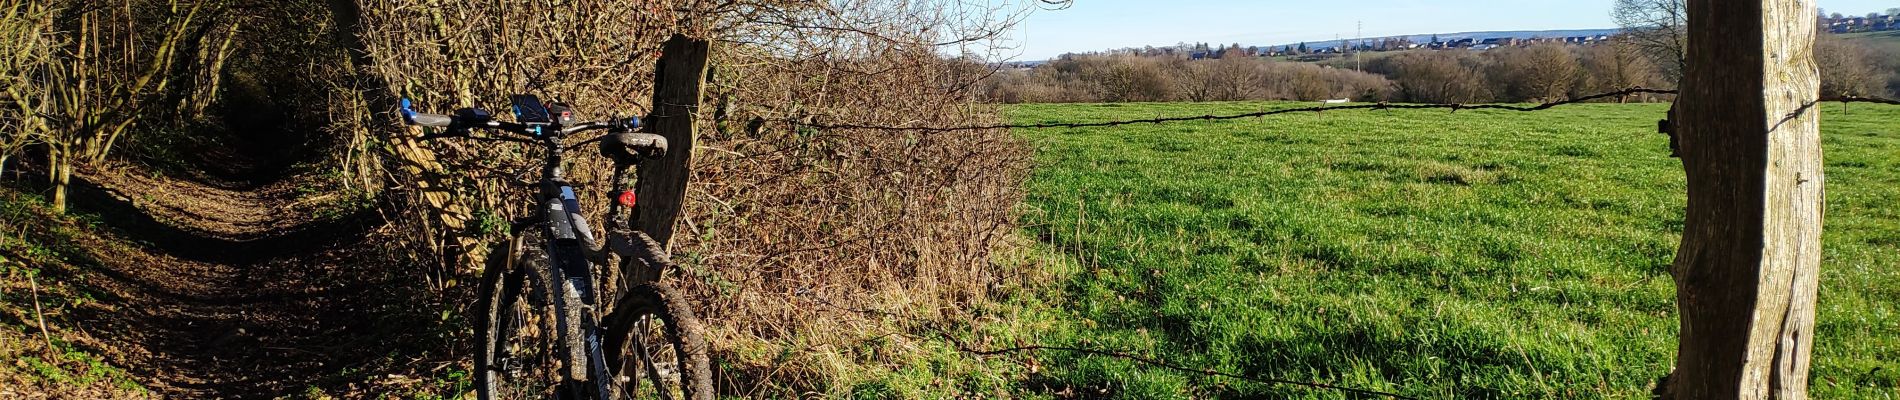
<point>408,111</point>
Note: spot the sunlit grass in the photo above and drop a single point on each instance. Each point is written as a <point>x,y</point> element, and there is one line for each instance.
<point>1439,255</point>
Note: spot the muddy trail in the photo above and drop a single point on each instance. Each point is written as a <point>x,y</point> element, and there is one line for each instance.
<point>234,281</point>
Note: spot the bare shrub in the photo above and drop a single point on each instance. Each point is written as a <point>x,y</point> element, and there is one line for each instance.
<point>1119,78</point>
<point>789,217</point>
<point>1888,59</point>
<point>1226,79</point>
<point>1451,76</point>
<point>26,31</point>
<point>104,67</point>
<point>1307,82</point>
<point>777,216</point>
<point>1542,72</point>
<point>1846,68</point>
<point>594,54</point>
<point>1616,65</point>
<point>1128,78</point>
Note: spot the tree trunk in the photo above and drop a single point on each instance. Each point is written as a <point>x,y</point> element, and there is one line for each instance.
<point>1747,271</point>
<point>62,176</point>
<point>678,85</point>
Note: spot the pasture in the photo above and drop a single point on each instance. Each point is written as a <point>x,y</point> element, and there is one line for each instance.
<point>1433,254</point>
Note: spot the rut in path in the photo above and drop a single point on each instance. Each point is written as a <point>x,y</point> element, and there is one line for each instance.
<point>228,286</point>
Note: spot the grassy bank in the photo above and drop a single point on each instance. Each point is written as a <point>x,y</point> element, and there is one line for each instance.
<point>1439,255</point>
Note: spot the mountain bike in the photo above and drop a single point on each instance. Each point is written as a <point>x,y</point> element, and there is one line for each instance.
<point>544,333</point>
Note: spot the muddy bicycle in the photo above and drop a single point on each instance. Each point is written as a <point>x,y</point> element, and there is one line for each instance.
<point>565,315</point>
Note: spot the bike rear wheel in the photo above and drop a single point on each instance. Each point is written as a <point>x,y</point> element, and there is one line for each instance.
<point>656,348</point>
<point>518,353</point>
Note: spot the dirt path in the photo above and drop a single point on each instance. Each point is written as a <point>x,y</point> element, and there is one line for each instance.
<point>235,290</point>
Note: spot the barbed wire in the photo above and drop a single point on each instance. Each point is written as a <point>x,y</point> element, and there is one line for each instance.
<point>1150,361</point>
<point>1860,99</point>
<point>812,121</point>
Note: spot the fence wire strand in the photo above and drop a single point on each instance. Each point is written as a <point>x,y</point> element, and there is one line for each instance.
<point>814,121</point>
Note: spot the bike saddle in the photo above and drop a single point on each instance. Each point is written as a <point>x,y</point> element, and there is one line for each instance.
<point>633,147</point>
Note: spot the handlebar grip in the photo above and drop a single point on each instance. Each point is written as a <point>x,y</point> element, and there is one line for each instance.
<point>412,117</point>
<point>435,120</point>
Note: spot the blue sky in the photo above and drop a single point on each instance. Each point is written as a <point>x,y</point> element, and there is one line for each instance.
<point>1104,24</point>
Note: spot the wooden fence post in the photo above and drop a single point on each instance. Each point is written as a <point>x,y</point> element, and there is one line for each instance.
<point>1748,268</point>
<point>678,83</point>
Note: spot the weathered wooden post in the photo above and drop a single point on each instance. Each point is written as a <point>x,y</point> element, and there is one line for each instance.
<point>1748,268</point>
<point>678,83</point>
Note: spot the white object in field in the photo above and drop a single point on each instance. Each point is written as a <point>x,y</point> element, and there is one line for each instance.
<point>1338,101</point>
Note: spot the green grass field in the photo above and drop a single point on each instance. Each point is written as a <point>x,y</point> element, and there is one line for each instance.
<point>1438,255</point>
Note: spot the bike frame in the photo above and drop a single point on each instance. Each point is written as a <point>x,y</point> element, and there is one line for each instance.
<point>571,248</point>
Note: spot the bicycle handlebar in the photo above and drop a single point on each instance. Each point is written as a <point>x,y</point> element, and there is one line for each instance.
<point>459,125</point>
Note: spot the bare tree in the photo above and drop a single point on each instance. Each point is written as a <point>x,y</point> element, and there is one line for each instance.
<point>1438,76</point>
<point>27,30</point>
<point>1846,67</point>
<point>1138,82</point>
<point>1660,29</point>
<point>1614,66</point>
<point>1196,81</point>
<point>1135,78</point>
<point>103,67</point>
<point>1543,72</point>
<point>1226,79</point>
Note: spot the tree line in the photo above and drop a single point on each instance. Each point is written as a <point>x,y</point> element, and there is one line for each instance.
<point>1131,78</point>
<point>1535,73</point>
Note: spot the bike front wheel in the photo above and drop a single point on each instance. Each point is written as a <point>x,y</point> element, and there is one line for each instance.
<point>517,355</point>
<point>656,348</point>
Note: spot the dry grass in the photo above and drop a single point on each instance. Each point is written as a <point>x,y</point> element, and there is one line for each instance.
<point>786,218</point>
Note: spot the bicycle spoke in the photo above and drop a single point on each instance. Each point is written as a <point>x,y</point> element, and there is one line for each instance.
<point>651,363</point>
<point>523,358</point>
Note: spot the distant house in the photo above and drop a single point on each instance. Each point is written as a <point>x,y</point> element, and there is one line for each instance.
<point>1848,24</point>
<point>1497,42</point>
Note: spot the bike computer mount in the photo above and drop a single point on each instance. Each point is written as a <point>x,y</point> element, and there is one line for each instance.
<point>530,111</point>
